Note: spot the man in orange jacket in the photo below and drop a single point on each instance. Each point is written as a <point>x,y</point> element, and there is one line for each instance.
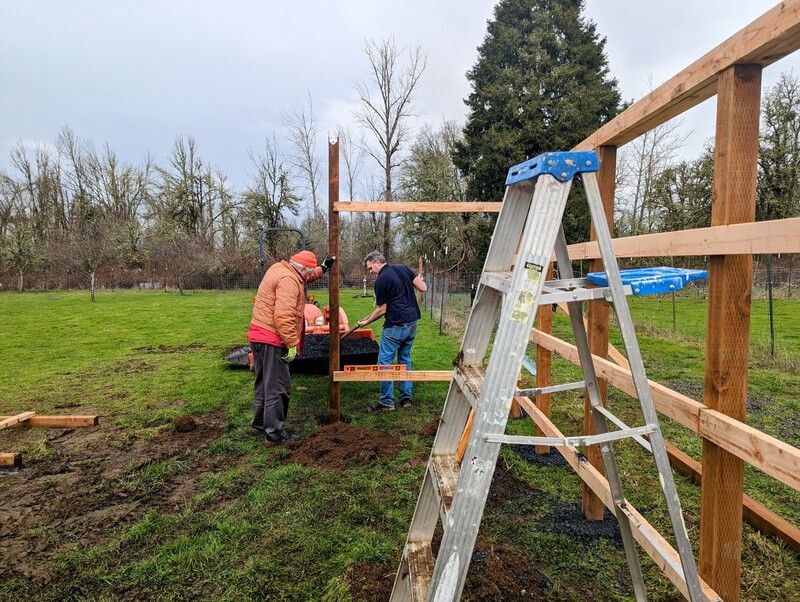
<point>276,334</point>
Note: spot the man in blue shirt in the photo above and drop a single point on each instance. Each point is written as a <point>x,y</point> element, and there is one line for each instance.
<point>396,301</point>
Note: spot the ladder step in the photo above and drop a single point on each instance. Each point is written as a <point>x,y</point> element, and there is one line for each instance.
<point>420,562</point>
<point>470,380</point>
<point>566,284</point>
<point>580,294</point>
<point>547,390</point>
<point>499,281</point>
<point>445,470</point>
<point>578,441</point>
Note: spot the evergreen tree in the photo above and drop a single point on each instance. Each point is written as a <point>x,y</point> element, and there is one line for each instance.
<point>541,83</point>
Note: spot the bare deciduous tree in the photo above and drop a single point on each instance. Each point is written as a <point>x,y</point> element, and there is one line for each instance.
<point>641,164</point>
<point>386,99</point>
<point>91,245</point>
<point>19,246</point>
<point>269,194</point>
<point>303,132</point>
<point>190,193</point>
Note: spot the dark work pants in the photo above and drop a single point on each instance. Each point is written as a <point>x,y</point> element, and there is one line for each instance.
<point>272,388</point>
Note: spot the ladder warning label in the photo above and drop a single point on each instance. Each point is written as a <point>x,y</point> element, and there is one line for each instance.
<point>534,272</point>
<point>523,307</point>
<point>526,299</point>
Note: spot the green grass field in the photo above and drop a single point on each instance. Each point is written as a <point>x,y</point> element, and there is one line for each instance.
<point>232,520</point>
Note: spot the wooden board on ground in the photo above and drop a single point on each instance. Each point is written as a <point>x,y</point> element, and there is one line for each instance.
<point>8,421</point>
<point>56,421</point>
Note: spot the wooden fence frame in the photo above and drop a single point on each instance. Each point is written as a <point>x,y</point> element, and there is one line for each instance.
<point>732,72</point>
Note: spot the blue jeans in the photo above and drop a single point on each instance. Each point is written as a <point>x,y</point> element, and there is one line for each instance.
<point>396,341</point>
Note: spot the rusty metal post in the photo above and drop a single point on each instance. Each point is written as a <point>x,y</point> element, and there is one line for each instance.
<point>334,408</point>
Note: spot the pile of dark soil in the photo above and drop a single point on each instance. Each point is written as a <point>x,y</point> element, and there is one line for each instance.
<point>314,357</point>
<point>568,520</point>
<point>496,572</point>
<point>317,345</point>
<point>528,453</point>
<point>339,446</point>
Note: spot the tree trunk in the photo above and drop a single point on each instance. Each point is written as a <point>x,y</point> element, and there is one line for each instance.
<point>387,217</point>
<point>91,276</point>
<point>387,234</point>
<point>20,282</point>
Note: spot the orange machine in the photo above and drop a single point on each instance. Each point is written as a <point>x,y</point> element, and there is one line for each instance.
<point>318,320</point>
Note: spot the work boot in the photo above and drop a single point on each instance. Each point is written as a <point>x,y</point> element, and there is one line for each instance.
<point>379,407</point>
<point>284,437</point>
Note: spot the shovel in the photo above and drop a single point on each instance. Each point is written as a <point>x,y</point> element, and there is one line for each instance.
<point>349,332</point>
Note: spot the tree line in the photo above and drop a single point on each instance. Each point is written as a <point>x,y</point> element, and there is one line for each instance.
<point>71,212</point>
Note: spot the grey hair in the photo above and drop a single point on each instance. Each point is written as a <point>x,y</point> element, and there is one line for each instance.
<point>299,266</point>
<point>375,257</point>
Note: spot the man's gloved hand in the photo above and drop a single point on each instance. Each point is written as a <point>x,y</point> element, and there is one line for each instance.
<point>326,265</point>
<point>292,354</point>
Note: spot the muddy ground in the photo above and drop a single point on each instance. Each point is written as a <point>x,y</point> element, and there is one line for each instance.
<point>87,487</point>
<point>81,491</point>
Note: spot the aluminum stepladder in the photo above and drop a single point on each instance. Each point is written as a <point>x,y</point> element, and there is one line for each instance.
<point>528,230</point>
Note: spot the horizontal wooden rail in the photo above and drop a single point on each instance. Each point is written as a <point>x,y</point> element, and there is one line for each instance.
<point>340,376</point>
<point>755,513</point>
<point>421,207</point>
<point>776,236</point>
<point>57,421</point>
<point>651,540</point>
<point>767,39</point>
<point>766,453</point>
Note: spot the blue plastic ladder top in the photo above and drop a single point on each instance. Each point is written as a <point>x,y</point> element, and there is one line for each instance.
<point>651,281</point>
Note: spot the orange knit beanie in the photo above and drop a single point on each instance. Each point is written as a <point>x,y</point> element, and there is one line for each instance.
<point>306,258</point>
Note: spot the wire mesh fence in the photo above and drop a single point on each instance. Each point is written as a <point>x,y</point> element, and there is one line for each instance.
<point>782,281</point>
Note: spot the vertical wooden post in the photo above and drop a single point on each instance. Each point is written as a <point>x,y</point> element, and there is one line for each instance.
<point>333,278</point>
<point>598,328</point>
<point>544,363</point>
<point>728,328</point>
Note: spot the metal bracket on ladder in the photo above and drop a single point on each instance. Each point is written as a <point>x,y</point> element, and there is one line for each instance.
<point>454,491</point>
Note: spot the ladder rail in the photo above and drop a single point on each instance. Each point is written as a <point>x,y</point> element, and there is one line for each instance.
<point>600,425</point>
<point>641,385</point>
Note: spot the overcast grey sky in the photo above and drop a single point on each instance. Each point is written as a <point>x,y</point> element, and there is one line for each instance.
<point>137,73</point>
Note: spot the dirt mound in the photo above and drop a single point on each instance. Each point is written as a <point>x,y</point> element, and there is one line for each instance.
<point>184,424</point>
<point>371,581</point>
<point>429,430</point>
<point>506,487</point>
<point>339,446</point>
<point>91,483</point>
<point>496,572</point>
